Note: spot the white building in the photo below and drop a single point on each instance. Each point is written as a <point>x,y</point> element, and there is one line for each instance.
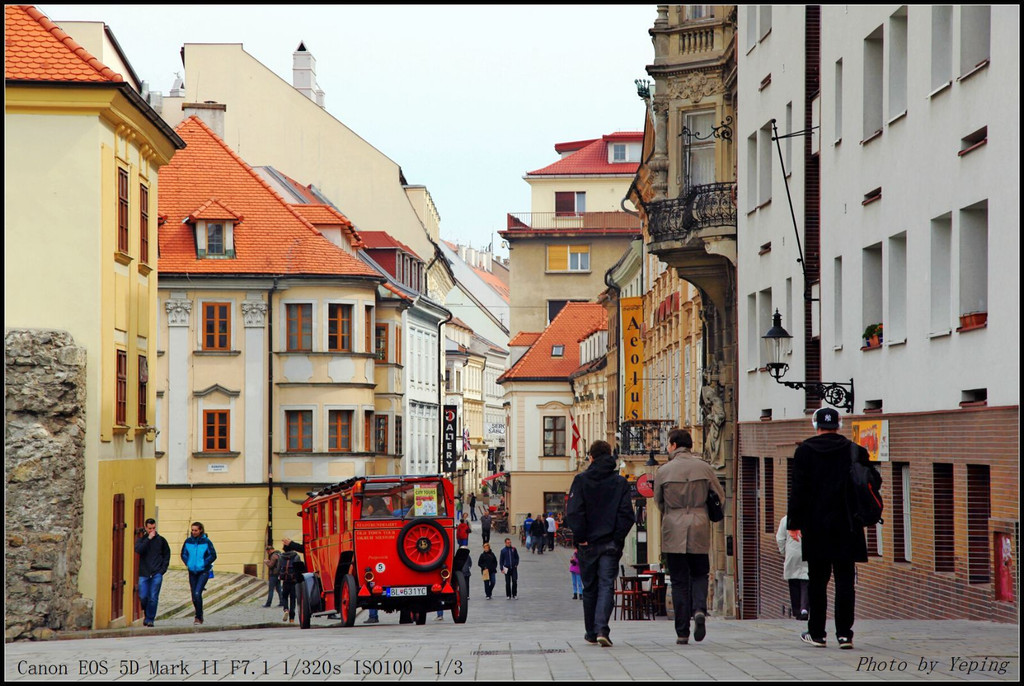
<point>906,203</point>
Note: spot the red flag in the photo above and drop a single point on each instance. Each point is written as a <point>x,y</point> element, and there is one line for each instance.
<point>575,437</point>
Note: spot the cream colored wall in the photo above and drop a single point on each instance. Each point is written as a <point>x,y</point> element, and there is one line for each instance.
<point>235,519</point>
<point>533,286</point>
<point>423,205</point>
<point>308,143</point>
<point>60,273</point>
<point>92,36</point>
<point>603,194</point>
<point>526,494</point>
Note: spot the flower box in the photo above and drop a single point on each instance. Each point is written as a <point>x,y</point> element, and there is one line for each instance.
<point>973,320</point>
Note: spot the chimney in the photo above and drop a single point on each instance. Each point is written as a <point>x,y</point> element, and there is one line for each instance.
<point>304,75</point>
<point>212,114</point>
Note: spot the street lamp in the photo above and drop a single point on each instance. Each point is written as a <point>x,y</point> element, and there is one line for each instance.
<point>778,343</point>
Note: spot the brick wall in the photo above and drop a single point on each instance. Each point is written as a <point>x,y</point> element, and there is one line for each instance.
<point>910,590</point>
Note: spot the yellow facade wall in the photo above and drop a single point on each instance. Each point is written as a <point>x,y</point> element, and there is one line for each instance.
<point>235,519</point>
<point>135,480</point>
<point>63,145</point>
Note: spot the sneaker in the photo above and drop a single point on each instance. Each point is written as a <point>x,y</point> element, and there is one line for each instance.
<point>845,642</point>
<point>816,642</point>
<point>439,619</point>
<point>285,618</point>
<point>698,627</point>
<point>803,615</point>
<point>197,621</point>
<point>267,605</point>
<point>291,620</point>
<point>604,641</point>
<point>371,620</point>
<point>589,639</point>
<point>682,640</point>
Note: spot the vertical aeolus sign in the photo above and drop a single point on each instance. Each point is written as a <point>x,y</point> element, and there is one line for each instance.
<point>449,437</point>
<point>632,359</point>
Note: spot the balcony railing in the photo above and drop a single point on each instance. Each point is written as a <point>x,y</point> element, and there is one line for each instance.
<point>644,435</point>
<point>555,221</point>
<point>704,207</point>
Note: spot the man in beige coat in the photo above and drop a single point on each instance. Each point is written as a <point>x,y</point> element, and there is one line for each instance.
<point>680,491</point>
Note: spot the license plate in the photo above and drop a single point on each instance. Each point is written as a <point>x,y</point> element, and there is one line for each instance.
<point>406,591</point>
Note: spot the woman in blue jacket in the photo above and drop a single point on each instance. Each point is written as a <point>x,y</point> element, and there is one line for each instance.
<point>198,554</point>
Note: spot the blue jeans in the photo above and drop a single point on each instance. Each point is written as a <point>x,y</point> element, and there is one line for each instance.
<point>197,582</point>
<point>577,583</point>
<point>149,595</point>
<point>598,565</point>
<point>275,584</point>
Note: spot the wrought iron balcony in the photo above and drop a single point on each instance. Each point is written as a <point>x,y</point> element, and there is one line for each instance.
<point>639,437</point>
<point>704,207</point>
<point>573,221</point>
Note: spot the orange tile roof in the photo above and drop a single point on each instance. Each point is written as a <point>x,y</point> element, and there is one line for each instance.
<point>382,240</point>
<point>325,215</point>
<point>214,209</point>
<point>273,239</point>
<point>574,322</point>
<point>494,282</point>
<point>524,338</point>
<point>592,158</point>
<point>36,49</point>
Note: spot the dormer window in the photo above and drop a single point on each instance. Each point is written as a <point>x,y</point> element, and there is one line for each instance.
<point>619,152</point>
<point>215,239</point>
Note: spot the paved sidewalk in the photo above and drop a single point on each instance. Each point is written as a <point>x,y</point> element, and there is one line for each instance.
<point>538,637</point>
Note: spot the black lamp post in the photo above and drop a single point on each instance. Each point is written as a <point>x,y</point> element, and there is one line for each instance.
<point>779,343</point>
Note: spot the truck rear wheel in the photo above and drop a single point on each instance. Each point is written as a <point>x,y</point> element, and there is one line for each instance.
<point>303,605</point>
<point>347,596</point>
<point>461,609</point>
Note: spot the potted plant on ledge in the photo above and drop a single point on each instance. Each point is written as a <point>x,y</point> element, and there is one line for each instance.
<point>873,335</point>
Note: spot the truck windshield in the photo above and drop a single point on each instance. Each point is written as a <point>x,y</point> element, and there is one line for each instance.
<point>404,500</point>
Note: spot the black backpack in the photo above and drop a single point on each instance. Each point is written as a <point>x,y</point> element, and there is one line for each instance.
<point>290,567</point>
<point>865,492</point>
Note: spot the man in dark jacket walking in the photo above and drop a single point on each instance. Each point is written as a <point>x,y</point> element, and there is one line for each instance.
<point>819,518</point>
<point>600,515</point>
<point>509,562</point>
<point>539,532</point>
<point>154,557</point>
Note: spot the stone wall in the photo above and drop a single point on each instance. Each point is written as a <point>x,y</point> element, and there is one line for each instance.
<point>44,470</point>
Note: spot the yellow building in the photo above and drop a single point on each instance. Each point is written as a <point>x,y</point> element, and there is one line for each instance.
<point>576,228</point>
<point>273,354</point>
<point>82,150</point>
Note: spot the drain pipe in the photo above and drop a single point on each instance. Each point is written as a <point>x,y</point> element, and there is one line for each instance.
<point>270,413</point>
<point>441,364</point>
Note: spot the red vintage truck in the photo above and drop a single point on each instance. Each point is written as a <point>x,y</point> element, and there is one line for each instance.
<point>383,542</point>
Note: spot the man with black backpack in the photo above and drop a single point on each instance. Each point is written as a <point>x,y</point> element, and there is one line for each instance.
<point>825,517</point>
<point>290,569</point>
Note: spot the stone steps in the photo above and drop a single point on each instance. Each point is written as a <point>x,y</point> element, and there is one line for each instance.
<point>232,589</point>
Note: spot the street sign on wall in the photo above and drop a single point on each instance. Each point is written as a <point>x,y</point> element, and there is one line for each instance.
<point>449,438</point>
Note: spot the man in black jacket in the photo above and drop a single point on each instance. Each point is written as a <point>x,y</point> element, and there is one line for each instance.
<point>154,557</point>
<point>600,515</point>
<point>819,518</point>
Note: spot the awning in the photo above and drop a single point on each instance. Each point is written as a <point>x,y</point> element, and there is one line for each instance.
<point>493,476</point>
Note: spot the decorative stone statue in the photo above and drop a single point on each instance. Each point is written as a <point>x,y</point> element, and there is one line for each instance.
<point>713,406</point>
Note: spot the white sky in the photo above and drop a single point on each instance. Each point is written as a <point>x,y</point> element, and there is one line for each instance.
<point>466,99</point>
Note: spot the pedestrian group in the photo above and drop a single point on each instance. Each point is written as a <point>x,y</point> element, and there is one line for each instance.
<point>818,537</point>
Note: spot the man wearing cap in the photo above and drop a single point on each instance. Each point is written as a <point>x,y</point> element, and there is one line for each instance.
<point>818,517</point>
